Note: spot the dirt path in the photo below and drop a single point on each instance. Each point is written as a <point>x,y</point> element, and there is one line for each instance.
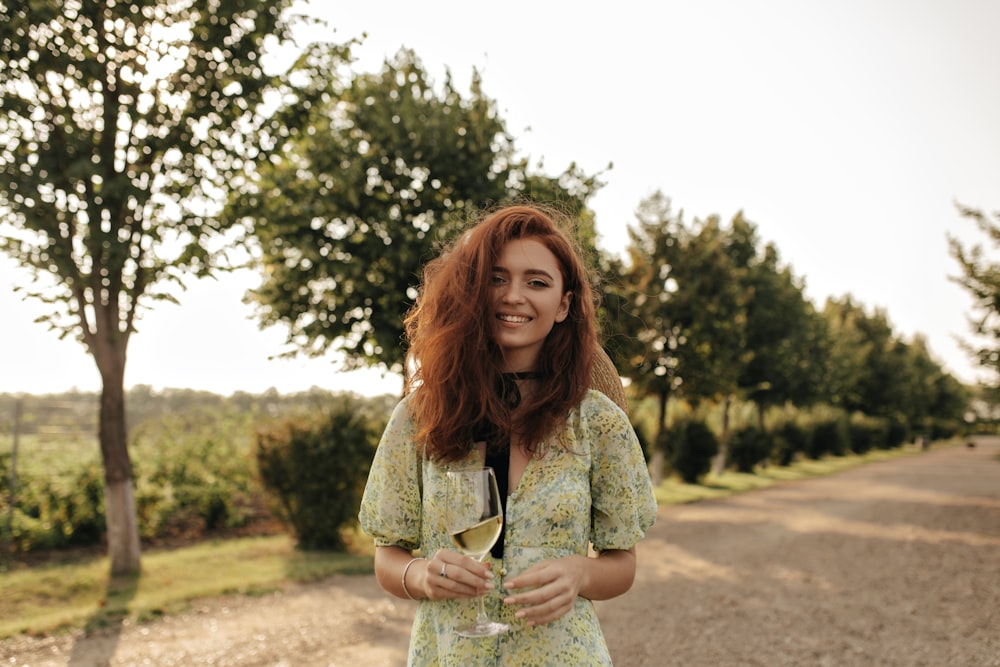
<point>893,564</point>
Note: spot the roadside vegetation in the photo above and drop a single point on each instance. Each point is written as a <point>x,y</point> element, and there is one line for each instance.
<point>212,526</point>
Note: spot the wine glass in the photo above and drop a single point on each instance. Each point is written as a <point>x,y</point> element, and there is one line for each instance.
<point>475,518</point>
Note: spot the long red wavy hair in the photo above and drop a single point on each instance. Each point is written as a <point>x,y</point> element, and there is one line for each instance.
<point>455,366</point>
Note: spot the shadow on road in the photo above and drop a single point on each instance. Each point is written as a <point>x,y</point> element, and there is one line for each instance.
<point>96,645</point>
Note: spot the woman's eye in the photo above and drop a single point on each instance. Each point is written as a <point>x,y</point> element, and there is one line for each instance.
<point>497,279</point>
<point>538,283</point>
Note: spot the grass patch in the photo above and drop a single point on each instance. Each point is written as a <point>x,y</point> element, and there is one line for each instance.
<point>672,491</point>
<point>81,594</point>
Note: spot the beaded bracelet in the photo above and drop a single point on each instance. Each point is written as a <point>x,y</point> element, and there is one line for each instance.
<point>404,577</point>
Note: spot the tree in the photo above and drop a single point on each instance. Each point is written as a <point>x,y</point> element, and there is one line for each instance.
<point>682,331</point>
<point>383,171</point>
<point>122,125</point>
<point>785,338</point>
<point>874,371</point>
<point>981,279</point>
<point>639,310</point>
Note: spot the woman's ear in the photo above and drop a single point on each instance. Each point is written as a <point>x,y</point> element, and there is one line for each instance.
<point>563,311</point>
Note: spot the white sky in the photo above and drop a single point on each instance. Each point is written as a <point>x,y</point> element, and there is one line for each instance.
<point>844,130</point>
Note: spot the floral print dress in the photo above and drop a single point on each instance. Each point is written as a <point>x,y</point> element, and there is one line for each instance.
<point>591,486</point>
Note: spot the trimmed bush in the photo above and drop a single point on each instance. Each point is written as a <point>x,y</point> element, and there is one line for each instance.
<point>942,429</point>
<point>689,447</point>
<point>748,446</point>
<point>315,471</point>
<point>898,431</point>
<point>829,437</point>
<point>867,433</point>
<point>790,439</point>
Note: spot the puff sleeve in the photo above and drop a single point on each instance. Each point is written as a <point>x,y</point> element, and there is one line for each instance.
<point>391,509</point>
<point>623,506</point>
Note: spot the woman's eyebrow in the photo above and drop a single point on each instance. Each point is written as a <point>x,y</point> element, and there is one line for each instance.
<point>527,272</point>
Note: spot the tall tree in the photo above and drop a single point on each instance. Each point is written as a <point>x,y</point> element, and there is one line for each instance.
<point>785,338</point>
<point>122,125</point>
<point>639,311</point>
<point>715,291</point>
<point>391,165</point>
<point>980,276</point>
<point>681,330</point>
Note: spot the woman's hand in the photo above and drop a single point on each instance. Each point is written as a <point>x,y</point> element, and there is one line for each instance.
<point>463,577</point>
<point>556,585</point>
<point>558,582</point>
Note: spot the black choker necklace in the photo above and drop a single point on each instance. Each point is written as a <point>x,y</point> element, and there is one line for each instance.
<point>523,375</point>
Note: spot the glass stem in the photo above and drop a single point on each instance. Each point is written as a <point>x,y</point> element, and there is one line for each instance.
<point>481,618</point>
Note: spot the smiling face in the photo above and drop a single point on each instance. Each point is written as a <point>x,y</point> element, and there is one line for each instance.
<point>528,300</point>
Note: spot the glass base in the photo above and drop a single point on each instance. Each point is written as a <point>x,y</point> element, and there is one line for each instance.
<point>487,629</point>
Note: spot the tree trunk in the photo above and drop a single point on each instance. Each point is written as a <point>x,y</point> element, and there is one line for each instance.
<point>719,463</point>
<point>657,457</point>
<point>119,495</point>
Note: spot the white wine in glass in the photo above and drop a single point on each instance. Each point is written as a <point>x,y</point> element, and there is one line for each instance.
<point>475,518</point>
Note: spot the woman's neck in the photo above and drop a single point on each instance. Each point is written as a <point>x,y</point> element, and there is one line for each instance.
<point>523,375</point>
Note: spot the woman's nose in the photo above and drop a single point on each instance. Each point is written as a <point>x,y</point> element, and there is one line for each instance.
<point>512,294</point>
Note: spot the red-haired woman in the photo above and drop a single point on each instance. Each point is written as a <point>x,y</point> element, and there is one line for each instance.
<point>501,352</point>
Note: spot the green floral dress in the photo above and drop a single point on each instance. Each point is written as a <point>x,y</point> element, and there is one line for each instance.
<point>590,487</point>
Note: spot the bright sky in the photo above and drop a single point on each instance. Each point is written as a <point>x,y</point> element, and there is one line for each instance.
<point>844,130</point>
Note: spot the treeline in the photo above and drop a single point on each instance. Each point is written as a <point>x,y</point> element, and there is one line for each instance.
<point>704,314</point>
<point>209,465</point>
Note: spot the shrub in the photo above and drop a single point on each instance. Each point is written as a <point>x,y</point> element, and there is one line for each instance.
<point>194,473</point>
<point>898,431</point>
<point>867,433</point>
<point>690,445</point>
<point>315,470</point>
<point>748,446</point>
<point>56,513</point>
<point>829,436</point>
<point>790,439</point>
<point>942,429</point>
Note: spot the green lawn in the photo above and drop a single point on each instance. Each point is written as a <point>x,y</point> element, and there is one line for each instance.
<point>80,593</point>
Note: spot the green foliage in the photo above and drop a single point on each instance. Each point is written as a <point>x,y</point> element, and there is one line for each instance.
<point>942,429</point>
<point>786,338</point>
<point>980,276</point>
<point>375,176</point>
<point>196,472</point>
<point>791,438</point>
<point>53,512</point>
<point>897,431</point>
<point>685,307</point>
<point>689,446</point>
<point>123,126</point>
<point>315,470</point>
<point>829,435</point>
<point>749,446</point>
<point>867,433</point>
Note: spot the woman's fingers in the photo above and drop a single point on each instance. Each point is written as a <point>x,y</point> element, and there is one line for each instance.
<point>553,588</point>
<point>452,575</point>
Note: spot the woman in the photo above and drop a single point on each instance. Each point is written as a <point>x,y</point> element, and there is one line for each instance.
<point>501,351</point>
